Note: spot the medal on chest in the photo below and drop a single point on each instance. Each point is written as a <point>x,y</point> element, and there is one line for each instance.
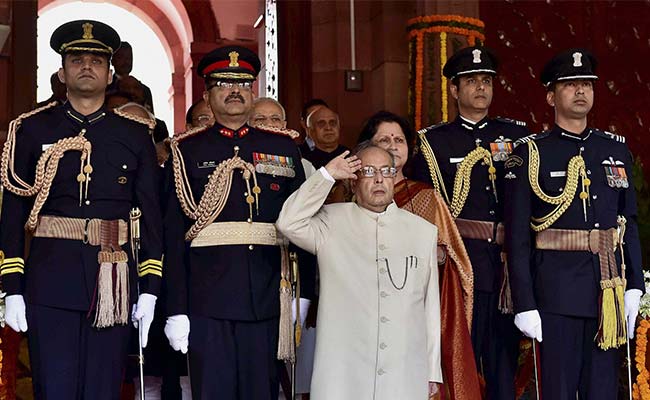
<point>615,173</point>
<point>275,165</point>
<point>501,148</point>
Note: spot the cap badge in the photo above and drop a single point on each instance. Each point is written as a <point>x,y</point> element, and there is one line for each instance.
<point>477,56</point>
<point>577,59</point>
<point>234,59</point>
<point>88,30</point>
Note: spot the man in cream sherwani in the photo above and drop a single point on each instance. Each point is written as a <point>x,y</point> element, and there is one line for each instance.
<point>379,310</point>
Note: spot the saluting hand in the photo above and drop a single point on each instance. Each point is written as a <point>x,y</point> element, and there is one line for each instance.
<point>343,168</point>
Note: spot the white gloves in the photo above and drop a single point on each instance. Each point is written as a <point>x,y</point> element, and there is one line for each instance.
<point>632,300</point>
<point>530,324</point>
<point>177,330</point>
<point>143,311</point>
<point>304,307</point>
<point>15,312</point>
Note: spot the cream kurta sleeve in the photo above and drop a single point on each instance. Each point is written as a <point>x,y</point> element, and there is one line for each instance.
<point>303,220</point>
<point>432,313</point>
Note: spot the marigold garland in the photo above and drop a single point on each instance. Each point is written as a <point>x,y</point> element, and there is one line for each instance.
<point>443,80</point>
<point>418,27</point>
<point>641,388</point>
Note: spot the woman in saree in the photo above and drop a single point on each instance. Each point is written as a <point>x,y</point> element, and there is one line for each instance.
<point>461,381</point>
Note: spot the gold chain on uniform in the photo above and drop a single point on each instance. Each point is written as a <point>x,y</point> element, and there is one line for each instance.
<point>575,169</point>
<point>216,190</point>
<point>46,167</point>
<point>463,174</point>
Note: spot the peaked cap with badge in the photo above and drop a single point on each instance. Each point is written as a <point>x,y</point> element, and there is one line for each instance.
<point>570,64</point>
<point>234,63</point>
<point>471,60</point>
<point>73,213</point>
<point>86,36</point>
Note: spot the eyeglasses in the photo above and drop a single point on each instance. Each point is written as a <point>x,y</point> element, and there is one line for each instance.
<point>264,120</point>
<point>369,171</point>
<point>231,84</point>
<point>204,118</point>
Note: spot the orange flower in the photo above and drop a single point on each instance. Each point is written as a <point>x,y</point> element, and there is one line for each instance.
<point>641,388</point>
<point>418,33</point>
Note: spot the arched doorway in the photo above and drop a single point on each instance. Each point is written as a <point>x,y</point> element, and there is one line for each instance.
<point>168,25</point>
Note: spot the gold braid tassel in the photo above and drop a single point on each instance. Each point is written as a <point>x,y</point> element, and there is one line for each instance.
<point>612,330</point>
<point>286,348</point>
<point>104,315</point>
<point>121,287</point>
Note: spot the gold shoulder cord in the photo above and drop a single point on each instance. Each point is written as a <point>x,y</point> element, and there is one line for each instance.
<point>575,169</point>
<point>434,169</point>
<point>46,167</point>
<point>216,190</point>
<point>463,176</point>
<point>145,121</point>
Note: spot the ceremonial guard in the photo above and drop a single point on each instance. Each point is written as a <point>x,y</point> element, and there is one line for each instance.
<point>228,278</point>
<point>71,174</point>
<point>573,243</point>
<point>463,160</point>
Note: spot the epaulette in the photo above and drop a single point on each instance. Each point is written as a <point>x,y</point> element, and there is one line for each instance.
<point>278,131</point>
<point>524,139</point>
<point>610,135</point>
<point>189,133</point>
<point>511,121</point>
<point>145,121</point>
<point>35,111</point>
<point>432,127</point>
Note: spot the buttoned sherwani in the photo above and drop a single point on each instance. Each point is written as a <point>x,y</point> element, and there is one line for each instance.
<point>379,310</point>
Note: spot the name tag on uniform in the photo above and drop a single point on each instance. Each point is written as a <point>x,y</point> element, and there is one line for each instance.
<point>558,174</point>
<point>275,165</point>
<point>456,160</point>
<point>46,146</point>
<point>206,164</point>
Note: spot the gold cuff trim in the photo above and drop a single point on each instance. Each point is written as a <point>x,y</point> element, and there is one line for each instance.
<point>148,271</point>
<point>7,271</point>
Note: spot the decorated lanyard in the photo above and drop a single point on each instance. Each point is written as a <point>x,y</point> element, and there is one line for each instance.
<point>463,176</point>
<point>576,169</point>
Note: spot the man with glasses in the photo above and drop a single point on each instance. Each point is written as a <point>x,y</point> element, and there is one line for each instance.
<point>224,256</point>
<point>379,309</point>
<point>199,114</point>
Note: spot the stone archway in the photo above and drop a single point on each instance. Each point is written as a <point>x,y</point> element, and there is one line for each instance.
<point>171,23</point>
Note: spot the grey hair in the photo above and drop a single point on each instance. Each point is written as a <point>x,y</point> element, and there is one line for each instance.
<point>368,144</point>
<point>271,100</point>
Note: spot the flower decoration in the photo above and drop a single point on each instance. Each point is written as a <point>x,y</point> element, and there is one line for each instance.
<point>419,30</point>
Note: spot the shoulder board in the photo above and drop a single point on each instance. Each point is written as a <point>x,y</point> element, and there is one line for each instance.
<point>189,133</point>
<point>145,121</point>
<point>511,121</point>
<point>35,111</point>
<point>278,131</point>
<point>610,135</point>
<point>530,138</point>
<point>432,127</point>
